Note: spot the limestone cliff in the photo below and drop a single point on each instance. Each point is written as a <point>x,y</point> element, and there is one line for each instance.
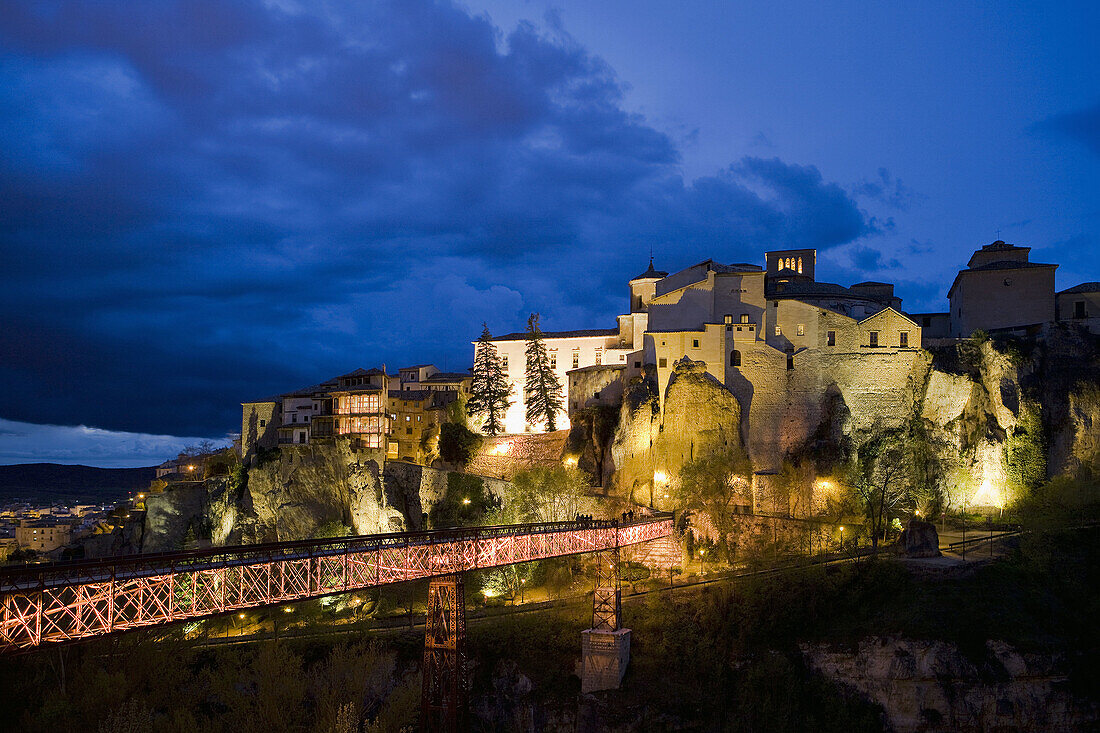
<point>992,418</point>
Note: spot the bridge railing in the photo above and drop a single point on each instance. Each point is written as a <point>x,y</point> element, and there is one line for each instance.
<point>65,601</point>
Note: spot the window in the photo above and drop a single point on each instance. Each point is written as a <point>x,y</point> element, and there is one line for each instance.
<point>801,329</point>
<point>599,356</point>
<point>407,418</point>
<point>799,264</point>
<point>790,361</point>
<point>576,358</point>
<point>504,362</point>
<point>418,418</point>
<point>903,339</point>
<point>263,423</point>
<point>408,431</point>
<point>1079,309</point>
<point>778,330</point>
<point>874,338</point>
<point>356,403</point>
<point>830,338</point>
<point>729,318</point>
<point>744,318</point>
<point>637,365</point>
<point>735,358</point>
<point>553,359</point>
<point>662,362</point>
<point>695,343</point>
<point>622,357</point>
<point>294,417</point>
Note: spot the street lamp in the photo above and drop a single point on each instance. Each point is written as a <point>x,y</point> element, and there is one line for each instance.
<point>703,561</point>
<point>466,501</point>
<point>842,538</point>
<point>522,583</point>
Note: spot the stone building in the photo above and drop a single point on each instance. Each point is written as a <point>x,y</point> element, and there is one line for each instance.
<point>1001,289</point>
<point>356,407</point>
<point>1080,305</point>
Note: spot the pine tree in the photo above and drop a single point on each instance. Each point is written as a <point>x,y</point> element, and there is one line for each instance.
<point>490,389</point>
<point>542,390</point>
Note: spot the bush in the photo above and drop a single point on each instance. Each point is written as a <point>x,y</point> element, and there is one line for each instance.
<point>457,443</point>
<point>464,504</point>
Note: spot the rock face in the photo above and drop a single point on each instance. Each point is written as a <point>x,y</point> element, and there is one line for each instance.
<point>994,418</point>
<point>316,489</point>
<point>919,539</point>
<point>930,686</point>
<point>188,512</point>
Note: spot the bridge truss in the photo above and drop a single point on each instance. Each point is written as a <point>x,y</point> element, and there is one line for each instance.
<point>68,601</point>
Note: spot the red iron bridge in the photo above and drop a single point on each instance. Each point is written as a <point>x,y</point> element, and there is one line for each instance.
<point>69,601</point>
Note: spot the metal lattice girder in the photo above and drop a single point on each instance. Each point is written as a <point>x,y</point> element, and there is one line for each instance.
<point>607,596</point>
<point>443,701</point>
<point>75,600</point>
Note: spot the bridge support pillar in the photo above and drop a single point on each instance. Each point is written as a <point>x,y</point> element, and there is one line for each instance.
<point>443,701</point>
<point>605,648</point>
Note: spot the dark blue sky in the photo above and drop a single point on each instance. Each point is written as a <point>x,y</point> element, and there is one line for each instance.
<point>204,202</point>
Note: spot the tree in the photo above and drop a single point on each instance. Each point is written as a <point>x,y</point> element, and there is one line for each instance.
<point>542,389</point>
<point>710,484</point>
<point>881,476</point>
<point>545,495</point>
<point>490,390</point>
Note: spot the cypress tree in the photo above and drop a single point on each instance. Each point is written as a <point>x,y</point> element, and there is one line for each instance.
<point>490,389</point>
<point>542,390</point>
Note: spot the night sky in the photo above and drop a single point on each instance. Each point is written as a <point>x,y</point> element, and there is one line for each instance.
<point>213,201</point>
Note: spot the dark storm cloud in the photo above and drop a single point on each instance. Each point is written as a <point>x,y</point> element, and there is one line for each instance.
<point>206,202</point>
<point>1082,126</point>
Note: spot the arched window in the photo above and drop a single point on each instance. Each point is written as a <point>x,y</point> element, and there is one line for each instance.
<point>735,358</point>
<point>799,265</point>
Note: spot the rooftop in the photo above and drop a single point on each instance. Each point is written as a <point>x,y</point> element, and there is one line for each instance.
<point>651,273</point>
<point>584,333</point>
<point>1082,288</point>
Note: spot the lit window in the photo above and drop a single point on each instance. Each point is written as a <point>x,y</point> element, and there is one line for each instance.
<point>903,339</point>
<point>599,356</point>
<point>553,360</point>
<point>801,329</point>
<point>744,318</point>
<point>830,338</point>
<point>503,361</point>
<point>729,318</point>
<point>778,330</point>
<point>874,338</point>
<point>576,358</point>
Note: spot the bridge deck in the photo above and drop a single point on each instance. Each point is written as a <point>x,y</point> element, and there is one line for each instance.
<point>67,601</point>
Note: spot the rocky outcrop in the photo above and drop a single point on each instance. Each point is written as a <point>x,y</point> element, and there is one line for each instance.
<point>919,539</point>
<point>926,685</point>
<point>316,490</point>
<point>190,512</point>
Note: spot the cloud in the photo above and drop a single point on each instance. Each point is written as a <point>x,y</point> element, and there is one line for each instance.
<point>885,189</point>
<point>27,443</point>
<point>1081,126</point>
<point>212,201</point>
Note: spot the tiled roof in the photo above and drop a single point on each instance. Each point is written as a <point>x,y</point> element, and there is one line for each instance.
<point>447,377</point>
<point>591,332</point>
<point>411,395</point>
<point>651,273</point>
<point>1006,265</point>
<point>1082,288</point>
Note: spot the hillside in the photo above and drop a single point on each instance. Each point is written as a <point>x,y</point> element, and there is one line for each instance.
<point>49,481</point>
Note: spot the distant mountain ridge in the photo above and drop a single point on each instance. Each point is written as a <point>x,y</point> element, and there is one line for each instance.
<point>58,481</point>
